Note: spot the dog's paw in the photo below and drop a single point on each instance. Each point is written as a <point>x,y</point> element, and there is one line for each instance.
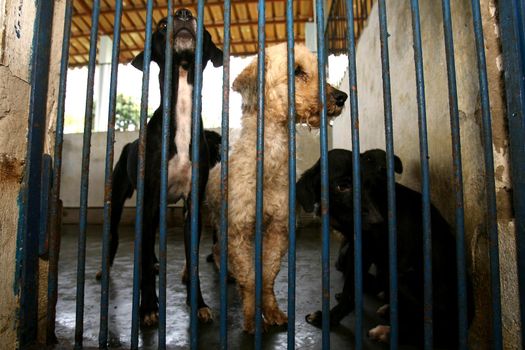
<point>275,317</point>
<point>383,310</point>
<point>150,319</point>
<point>99,275</point>
<point>249,326</point>
<point>380,334</point>
<point>315,319</point>
<point>205,314</point>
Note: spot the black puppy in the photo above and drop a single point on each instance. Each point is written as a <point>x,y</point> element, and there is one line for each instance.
<point>179,165</point>
<point>410,257</point>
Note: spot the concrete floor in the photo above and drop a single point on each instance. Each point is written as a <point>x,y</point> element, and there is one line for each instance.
<point>308,297</point>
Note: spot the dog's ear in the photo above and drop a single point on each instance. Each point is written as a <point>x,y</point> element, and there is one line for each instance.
<point>211,51</point>
<point>247,79</point>
<point>307,186</point>
<point>398,165</point>
<point>138,61</point>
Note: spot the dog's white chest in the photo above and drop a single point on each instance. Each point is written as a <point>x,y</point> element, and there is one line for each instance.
<point>179,167</point>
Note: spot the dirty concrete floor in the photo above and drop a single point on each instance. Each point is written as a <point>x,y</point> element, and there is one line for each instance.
<point>308,297</point>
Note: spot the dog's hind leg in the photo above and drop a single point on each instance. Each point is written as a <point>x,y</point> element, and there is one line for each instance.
<point>122,189</point>
<point>275,244</point>
<point>149,305</point>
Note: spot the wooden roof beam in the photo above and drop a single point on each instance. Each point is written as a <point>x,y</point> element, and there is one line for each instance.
<point>142,29</point>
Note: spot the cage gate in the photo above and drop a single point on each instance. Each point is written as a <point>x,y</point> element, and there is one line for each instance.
<point>336,32</point>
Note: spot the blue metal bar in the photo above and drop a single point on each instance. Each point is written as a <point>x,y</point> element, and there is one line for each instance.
<point>163,208</point>
<point>84,181</point>
<point>260,176</point>
<point>291,175</point>
<point>54,236</point>
<point>224,178</point>
<point>195,142</point>
<point>490,187</point>
<point>356,177</point>
<point>141,166</point>
<point>47,173</point>
<point>391,185</point>
<point>458,177</point>
<point>512,24</point>
<point>30,208</point>
<point>108,182</point>
<point>425,177</point>
<point>321,66</point>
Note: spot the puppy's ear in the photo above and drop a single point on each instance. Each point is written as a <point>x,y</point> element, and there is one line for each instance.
<point>247,80</point>
<point>211,51</point>
<point>307,186</point>
<point>138,61</point>
<point>398,165</point>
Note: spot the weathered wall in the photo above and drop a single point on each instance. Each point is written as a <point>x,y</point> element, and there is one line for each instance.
<point>406,140</point>
<point>16,34</point>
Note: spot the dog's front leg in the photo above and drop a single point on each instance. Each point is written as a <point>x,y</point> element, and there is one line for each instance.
<point>204,313</point>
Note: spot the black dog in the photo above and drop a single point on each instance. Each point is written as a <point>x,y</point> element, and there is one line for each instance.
<point>375,248</point>
<point>179,165</point>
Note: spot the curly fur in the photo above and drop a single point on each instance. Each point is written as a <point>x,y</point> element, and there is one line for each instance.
<point>242,173</point>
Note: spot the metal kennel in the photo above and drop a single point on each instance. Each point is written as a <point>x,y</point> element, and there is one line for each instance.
<point>42,181</point>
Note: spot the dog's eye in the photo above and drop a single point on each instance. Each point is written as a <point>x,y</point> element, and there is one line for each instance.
<point>163,25</point>
<point>343,187</point>
<point>299,72</point>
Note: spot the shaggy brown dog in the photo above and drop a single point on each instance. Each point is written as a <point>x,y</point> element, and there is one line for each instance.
<point>242,172</point>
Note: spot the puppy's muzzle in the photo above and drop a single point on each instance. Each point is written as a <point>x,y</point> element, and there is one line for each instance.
<point>340,98</point>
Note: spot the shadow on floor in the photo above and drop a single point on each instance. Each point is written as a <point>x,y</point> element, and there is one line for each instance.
<point>308,296</point>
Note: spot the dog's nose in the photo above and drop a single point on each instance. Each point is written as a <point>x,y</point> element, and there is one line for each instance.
<point>340,98</point>
<point>183,14</point>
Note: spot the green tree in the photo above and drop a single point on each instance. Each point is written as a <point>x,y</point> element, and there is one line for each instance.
<point>127,113</point>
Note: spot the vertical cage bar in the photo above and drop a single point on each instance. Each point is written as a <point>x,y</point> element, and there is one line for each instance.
<point>391,185</point>
<point>141,165</point>
<point>321,66</point>
<point>108,180</point>
<point>194,206</point>
<point>356,177</point>
<point>224,178</point>
<point>260,176</point>
<point>54,236</point>
<point>163,208</point>
<point>490,188</point>
<point>30,191</point>
<point>84,181</point>
<point>425,177</point>
<point>291,176</point>
<point>458,177</point>
<point>511,19</point>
